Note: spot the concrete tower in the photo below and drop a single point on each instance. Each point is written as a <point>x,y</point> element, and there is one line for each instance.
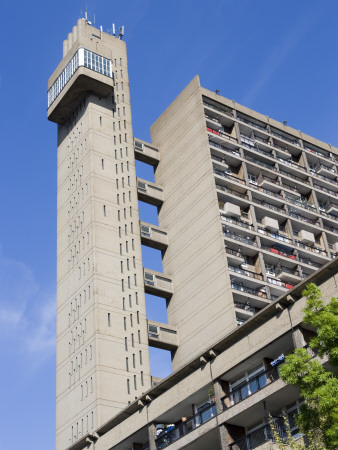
<point>102,343</point>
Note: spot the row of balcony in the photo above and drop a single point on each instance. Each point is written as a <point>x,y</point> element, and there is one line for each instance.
<point>317,172</point>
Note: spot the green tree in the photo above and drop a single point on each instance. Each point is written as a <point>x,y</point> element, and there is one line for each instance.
<point>318,387</point>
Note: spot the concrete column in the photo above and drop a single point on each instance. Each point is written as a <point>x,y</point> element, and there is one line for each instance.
<point>298,338</point>
<point>219,393</point>
<point>152,436</point>
<point>224,437</point>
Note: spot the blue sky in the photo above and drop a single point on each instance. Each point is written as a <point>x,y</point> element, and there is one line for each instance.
<point>277,57</point>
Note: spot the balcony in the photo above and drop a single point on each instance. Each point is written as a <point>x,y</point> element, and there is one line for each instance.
<point>161,335</point>
<point>190,424</point>
<point>224,148</point>
<point>309,262</point>
<point>277,236</point>
<point>219,108</point>
<point>261,163</point>
<point>294,177</point>
<point>146,153</point>
<point>256,292</point>
<point>234,256</point>
<point>259,436</point>
<point>331,207</point>
<point>301,203</point>
<point>285,138</point>
<point>231,191</point>
<point>246,273</point>
<point>324,178</point>
<point>219,135</point>
<point>325,170</point>
<point>249,388</point>
<point>286,274</point>
<point>279,252</point>
<point>244,310</point>
<point>312,249</point>
<point>252,124</point>
<point>279,209</point>
<point>266,191</point>
<point>324,189</point>
<point>264,180</point>
<point>227,175</point>
<point>149,192</point>
<point>238,223</point>
<point>292,164</point>
<point>302,218</point>
<point>153,236</point>
<point>244,239</point>
<point>156,283</point>
<point>280,284</point>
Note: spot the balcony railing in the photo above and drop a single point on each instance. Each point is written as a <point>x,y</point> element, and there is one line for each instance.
<point>293,164</point>
<point>257,437</point>
<point>239,223</point>
<point>266,191</point>
<point>251,123</point>
<point>313,249</point>
<point>231,191</point>
<point>237,237</point>
<point>301,203</point>
<point>262,178</point>
<point>240,287</point>
<point>247,273</point>
<point>250,387</point>
<point>280,283</point>
<point>268,205</point>
<point>302,218</point>
<point>232,252</point>
<point>278,236</point>
<point>279,252</point>
<point>222,147</point>
<point>228,175</point>
<point>261,163</point>
<point>330,180</point>
<point>221,109</point>
<point>284,269</point>
<point>334,230</point>
<point>281,136</point>
<point>329,215</point>
<point>291,175</point>
<point>309,262</point>
<point>322,166</point>
<point>246,307</point>
<point>169,436</point>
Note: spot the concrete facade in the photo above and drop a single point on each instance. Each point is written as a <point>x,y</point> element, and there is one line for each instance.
<point>247,210</point>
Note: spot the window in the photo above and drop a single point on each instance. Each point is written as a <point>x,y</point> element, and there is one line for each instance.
<point>126,344</point>
<point>104,210</point>
<point>128,386</point>
<point>140,356</point>
<point>127,365</point>
<point>134,362</point>
<point>247,384</point>
<point>135,385</point>
<point>109,324</point>
<point>252,178</point>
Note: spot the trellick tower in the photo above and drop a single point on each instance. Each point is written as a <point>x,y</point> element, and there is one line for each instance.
<point>102,343</point>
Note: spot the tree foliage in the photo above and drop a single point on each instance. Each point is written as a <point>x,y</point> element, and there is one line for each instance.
<point>318,387</point>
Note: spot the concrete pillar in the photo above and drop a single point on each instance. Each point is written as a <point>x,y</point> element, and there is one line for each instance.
<point>298,338</point>
<point>152,436</point>
<point>219,393</point>
<point>224,437</point>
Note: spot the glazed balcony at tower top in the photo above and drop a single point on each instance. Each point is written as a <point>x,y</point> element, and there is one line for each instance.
<point>82,71</point>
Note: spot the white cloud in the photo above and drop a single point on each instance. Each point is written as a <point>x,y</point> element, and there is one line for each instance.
<point>27,312</point>
<point>278,56</point>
